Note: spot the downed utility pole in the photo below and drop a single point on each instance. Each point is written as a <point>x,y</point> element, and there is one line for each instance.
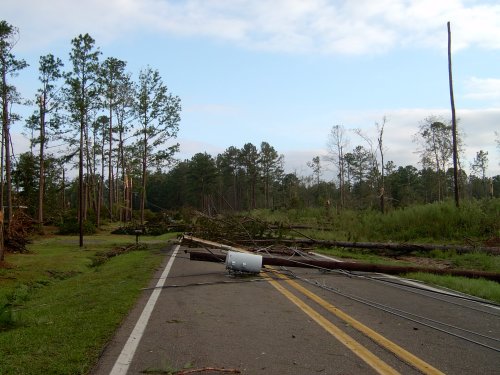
<point>213,244</point>
<point>350,266</point>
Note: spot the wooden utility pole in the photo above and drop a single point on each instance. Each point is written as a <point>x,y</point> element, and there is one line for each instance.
<point>453,122</point>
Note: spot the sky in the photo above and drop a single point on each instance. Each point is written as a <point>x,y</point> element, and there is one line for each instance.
<point>287,71</point>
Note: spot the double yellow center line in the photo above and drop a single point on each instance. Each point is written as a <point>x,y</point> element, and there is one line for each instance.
<point>372,360</point>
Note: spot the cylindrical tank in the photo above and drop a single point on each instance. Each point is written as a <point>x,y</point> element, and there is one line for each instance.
<point>243,262</point>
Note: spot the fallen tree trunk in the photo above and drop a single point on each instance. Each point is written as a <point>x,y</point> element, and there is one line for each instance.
<point>351,266</point>
<point>398,247</point>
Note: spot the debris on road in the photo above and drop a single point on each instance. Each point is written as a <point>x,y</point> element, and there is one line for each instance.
<point>332,265</point>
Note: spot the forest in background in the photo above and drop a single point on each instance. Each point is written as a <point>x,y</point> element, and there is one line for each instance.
<point>119,133</point>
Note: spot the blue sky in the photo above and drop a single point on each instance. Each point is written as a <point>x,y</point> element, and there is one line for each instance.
<point>286,71</point>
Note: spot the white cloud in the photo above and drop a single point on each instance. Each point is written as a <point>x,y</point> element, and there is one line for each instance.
<point>483,89</point>
<point>337,26</point>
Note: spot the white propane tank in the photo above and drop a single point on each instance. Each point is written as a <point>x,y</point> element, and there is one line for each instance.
<point>243,262</point>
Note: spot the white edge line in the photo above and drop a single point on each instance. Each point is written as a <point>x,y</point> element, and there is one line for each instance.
<point>127,354</point>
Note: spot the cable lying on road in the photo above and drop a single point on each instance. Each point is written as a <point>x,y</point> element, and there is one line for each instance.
<point>223,282</point>
<point>416,289</point>
<point>408,316</point>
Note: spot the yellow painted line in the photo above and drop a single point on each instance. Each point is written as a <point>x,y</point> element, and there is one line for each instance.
<point>406,356</point>
<point>376,363</point>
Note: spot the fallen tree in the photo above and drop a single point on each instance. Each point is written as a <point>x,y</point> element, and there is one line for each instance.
<point>248,231</point>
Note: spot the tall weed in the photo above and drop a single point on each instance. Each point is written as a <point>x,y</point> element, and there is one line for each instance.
<point>437,222</point>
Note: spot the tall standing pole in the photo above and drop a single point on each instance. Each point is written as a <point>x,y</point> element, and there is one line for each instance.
<point>453,122</point>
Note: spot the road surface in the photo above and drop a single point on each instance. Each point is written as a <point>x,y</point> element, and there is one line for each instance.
<point>197,316</point>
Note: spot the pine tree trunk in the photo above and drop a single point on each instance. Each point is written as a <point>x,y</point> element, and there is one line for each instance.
<point>41,190</point>
<point>110,164</point>
<point>144,168</point>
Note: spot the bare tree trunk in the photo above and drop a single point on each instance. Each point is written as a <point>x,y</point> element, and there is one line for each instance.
<point>235,192</point>
<point>144,168</point>
<point>63,188</point>
<point>41,191</point>
<point>341,178</point>
<point>130,206</point>
<point>6,142</point>
<point>453,122</point>
<point>8,180</point>
<point>81,193</point>
<point>110,164</point>
<point>100,190</point>
<point>123,199</point>
<point>5,122</point>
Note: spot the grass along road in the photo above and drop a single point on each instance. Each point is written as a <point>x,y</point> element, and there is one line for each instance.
<point>59,304</point>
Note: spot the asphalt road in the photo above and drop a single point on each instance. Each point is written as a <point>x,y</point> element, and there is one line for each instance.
<point>318,323</point>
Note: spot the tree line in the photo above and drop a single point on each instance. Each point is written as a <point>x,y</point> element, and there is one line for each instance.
<point>101,122</point>
<point>253,177</point>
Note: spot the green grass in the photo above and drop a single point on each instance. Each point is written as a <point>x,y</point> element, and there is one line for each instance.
<point>59,310</point>
<point>435,222</point>
<point>486,289</point>
<point>474,261</point>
